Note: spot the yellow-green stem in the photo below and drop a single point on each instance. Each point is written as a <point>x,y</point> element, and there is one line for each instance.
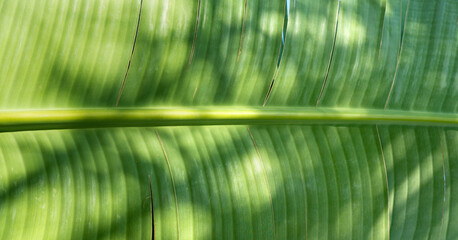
<point>153,117</point>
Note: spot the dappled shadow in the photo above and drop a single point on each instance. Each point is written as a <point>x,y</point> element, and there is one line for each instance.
<point>218,180</point>
<point>88,71</point>
<point>83,62</point>
<point>98,181</point>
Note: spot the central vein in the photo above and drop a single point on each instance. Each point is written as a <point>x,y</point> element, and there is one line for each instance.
<point>150,117</point>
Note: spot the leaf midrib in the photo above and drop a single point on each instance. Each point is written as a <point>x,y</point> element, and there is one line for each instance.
<point>24,120</point>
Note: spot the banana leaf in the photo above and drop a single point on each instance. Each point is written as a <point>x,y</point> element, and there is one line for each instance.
<point>246,119</point>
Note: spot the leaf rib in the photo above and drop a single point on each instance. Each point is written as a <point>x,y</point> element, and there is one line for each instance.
<point>282,49</point>
<point>245,7</point>
<point>265,179</point>
<point>331,55</point>
<point>445,185</point>
<point>399,55</point>
<point>131,54</point>
<point>153,233</point>
<point>383,27</point>
<point>173,181</point>
<point>196,27</point>
<point>386,179</point>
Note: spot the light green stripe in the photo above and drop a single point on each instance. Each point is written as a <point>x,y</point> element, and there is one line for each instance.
<point>141,117</point>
